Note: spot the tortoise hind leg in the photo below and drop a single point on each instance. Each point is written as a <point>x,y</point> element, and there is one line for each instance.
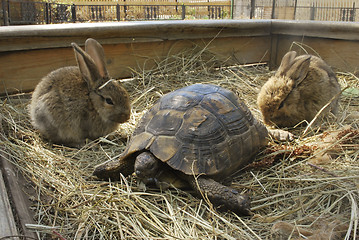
<point>220,195</point>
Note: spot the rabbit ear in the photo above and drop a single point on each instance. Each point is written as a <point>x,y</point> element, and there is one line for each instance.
<point>286,63</point>
<point>87,67</point>
<point>299,70</point>
<point>95,50</point>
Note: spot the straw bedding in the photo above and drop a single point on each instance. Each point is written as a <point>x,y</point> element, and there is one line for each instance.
<point>310,184</point>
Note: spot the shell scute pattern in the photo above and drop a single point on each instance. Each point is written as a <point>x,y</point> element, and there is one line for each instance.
<point>200,129</point>
<point>233,116</point>
<point>180,101</point>
<point>165,147</point>
<point>165,122</point>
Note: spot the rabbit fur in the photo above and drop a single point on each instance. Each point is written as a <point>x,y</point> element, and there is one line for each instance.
<point>299,89</point>
<point>74,103</point>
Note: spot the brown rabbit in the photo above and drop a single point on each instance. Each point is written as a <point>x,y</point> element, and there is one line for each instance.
<point>73,103</point>
<point>299,89</point>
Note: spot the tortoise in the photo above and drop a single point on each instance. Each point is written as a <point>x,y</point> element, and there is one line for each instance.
<point>200,134</point>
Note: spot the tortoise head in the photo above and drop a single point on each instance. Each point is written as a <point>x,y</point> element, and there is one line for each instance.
<point>146,167</point>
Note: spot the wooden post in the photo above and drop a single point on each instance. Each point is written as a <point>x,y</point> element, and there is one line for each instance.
<point>253,7</point>
<point>273,10</point>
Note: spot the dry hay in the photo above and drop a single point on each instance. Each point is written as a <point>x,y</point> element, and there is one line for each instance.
<point>302,183</point>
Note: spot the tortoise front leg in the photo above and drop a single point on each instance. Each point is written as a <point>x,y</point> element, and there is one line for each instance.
<point>220,195</point>
<point>113,168</point>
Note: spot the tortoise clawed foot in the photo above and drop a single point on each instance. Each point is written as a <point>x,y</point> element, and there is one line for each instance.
<point>244,207</point>
<point>281,135</point>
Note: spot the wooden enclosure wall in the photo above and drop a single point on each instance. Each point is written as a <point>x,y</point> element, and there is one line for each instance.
<point>27,53</point>
<point>336,42</point>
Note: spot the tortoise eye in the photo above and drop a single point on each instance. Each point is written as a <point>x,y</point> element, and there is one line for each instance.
<point>109,101</point>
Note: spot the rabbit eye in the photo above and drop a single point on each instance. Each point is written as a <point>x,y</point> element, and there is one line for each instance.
<point>109,101</point>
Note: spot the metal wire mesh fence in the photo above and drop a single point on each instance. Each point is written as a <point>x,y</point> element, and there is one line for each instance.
<point>323,10</point>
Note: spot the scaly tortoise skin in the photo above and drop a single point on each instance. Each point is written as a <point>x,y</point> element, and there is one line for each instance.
<point>201,134</point>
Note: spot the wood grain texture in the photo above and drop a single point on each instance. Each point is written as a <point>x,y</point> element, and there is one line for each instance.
<point>27,53</point>
<point>320,29</point>
<point>7,220</point>
<point>14,184</point>
<point>339,54</point>
<point>22,70</point>
<point>61,35</point>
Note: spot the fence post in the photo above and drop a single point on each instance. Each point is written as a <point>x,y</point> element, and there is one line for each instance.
<point>209,10</point>
<point>101,13</point>
<point>253,8</point>
<point>156,11</point>
<point>73,12</point>
<point>118,13</point>
<point>183,11</point>
<point>312,12</point>
<point>352,13</point>
<point>5,12</point>
<point>47,7</point>
<point>273,10</point>
<point>295,9</point>
<point>125,9</point>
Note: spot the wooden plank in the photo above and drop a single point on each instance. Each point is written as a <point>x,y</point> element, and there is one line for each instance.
<point>27,53</point>
<point>127,45</point>
<point>21,205</point>
<point>8,225</point>
<point>18,74</point>
<point>61,35</point>
<point>320,29</point>
<point>337,53</point>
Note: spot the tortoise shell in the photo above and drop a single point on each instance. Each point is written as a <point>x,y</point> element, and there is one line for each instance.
<point>199,129</point>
